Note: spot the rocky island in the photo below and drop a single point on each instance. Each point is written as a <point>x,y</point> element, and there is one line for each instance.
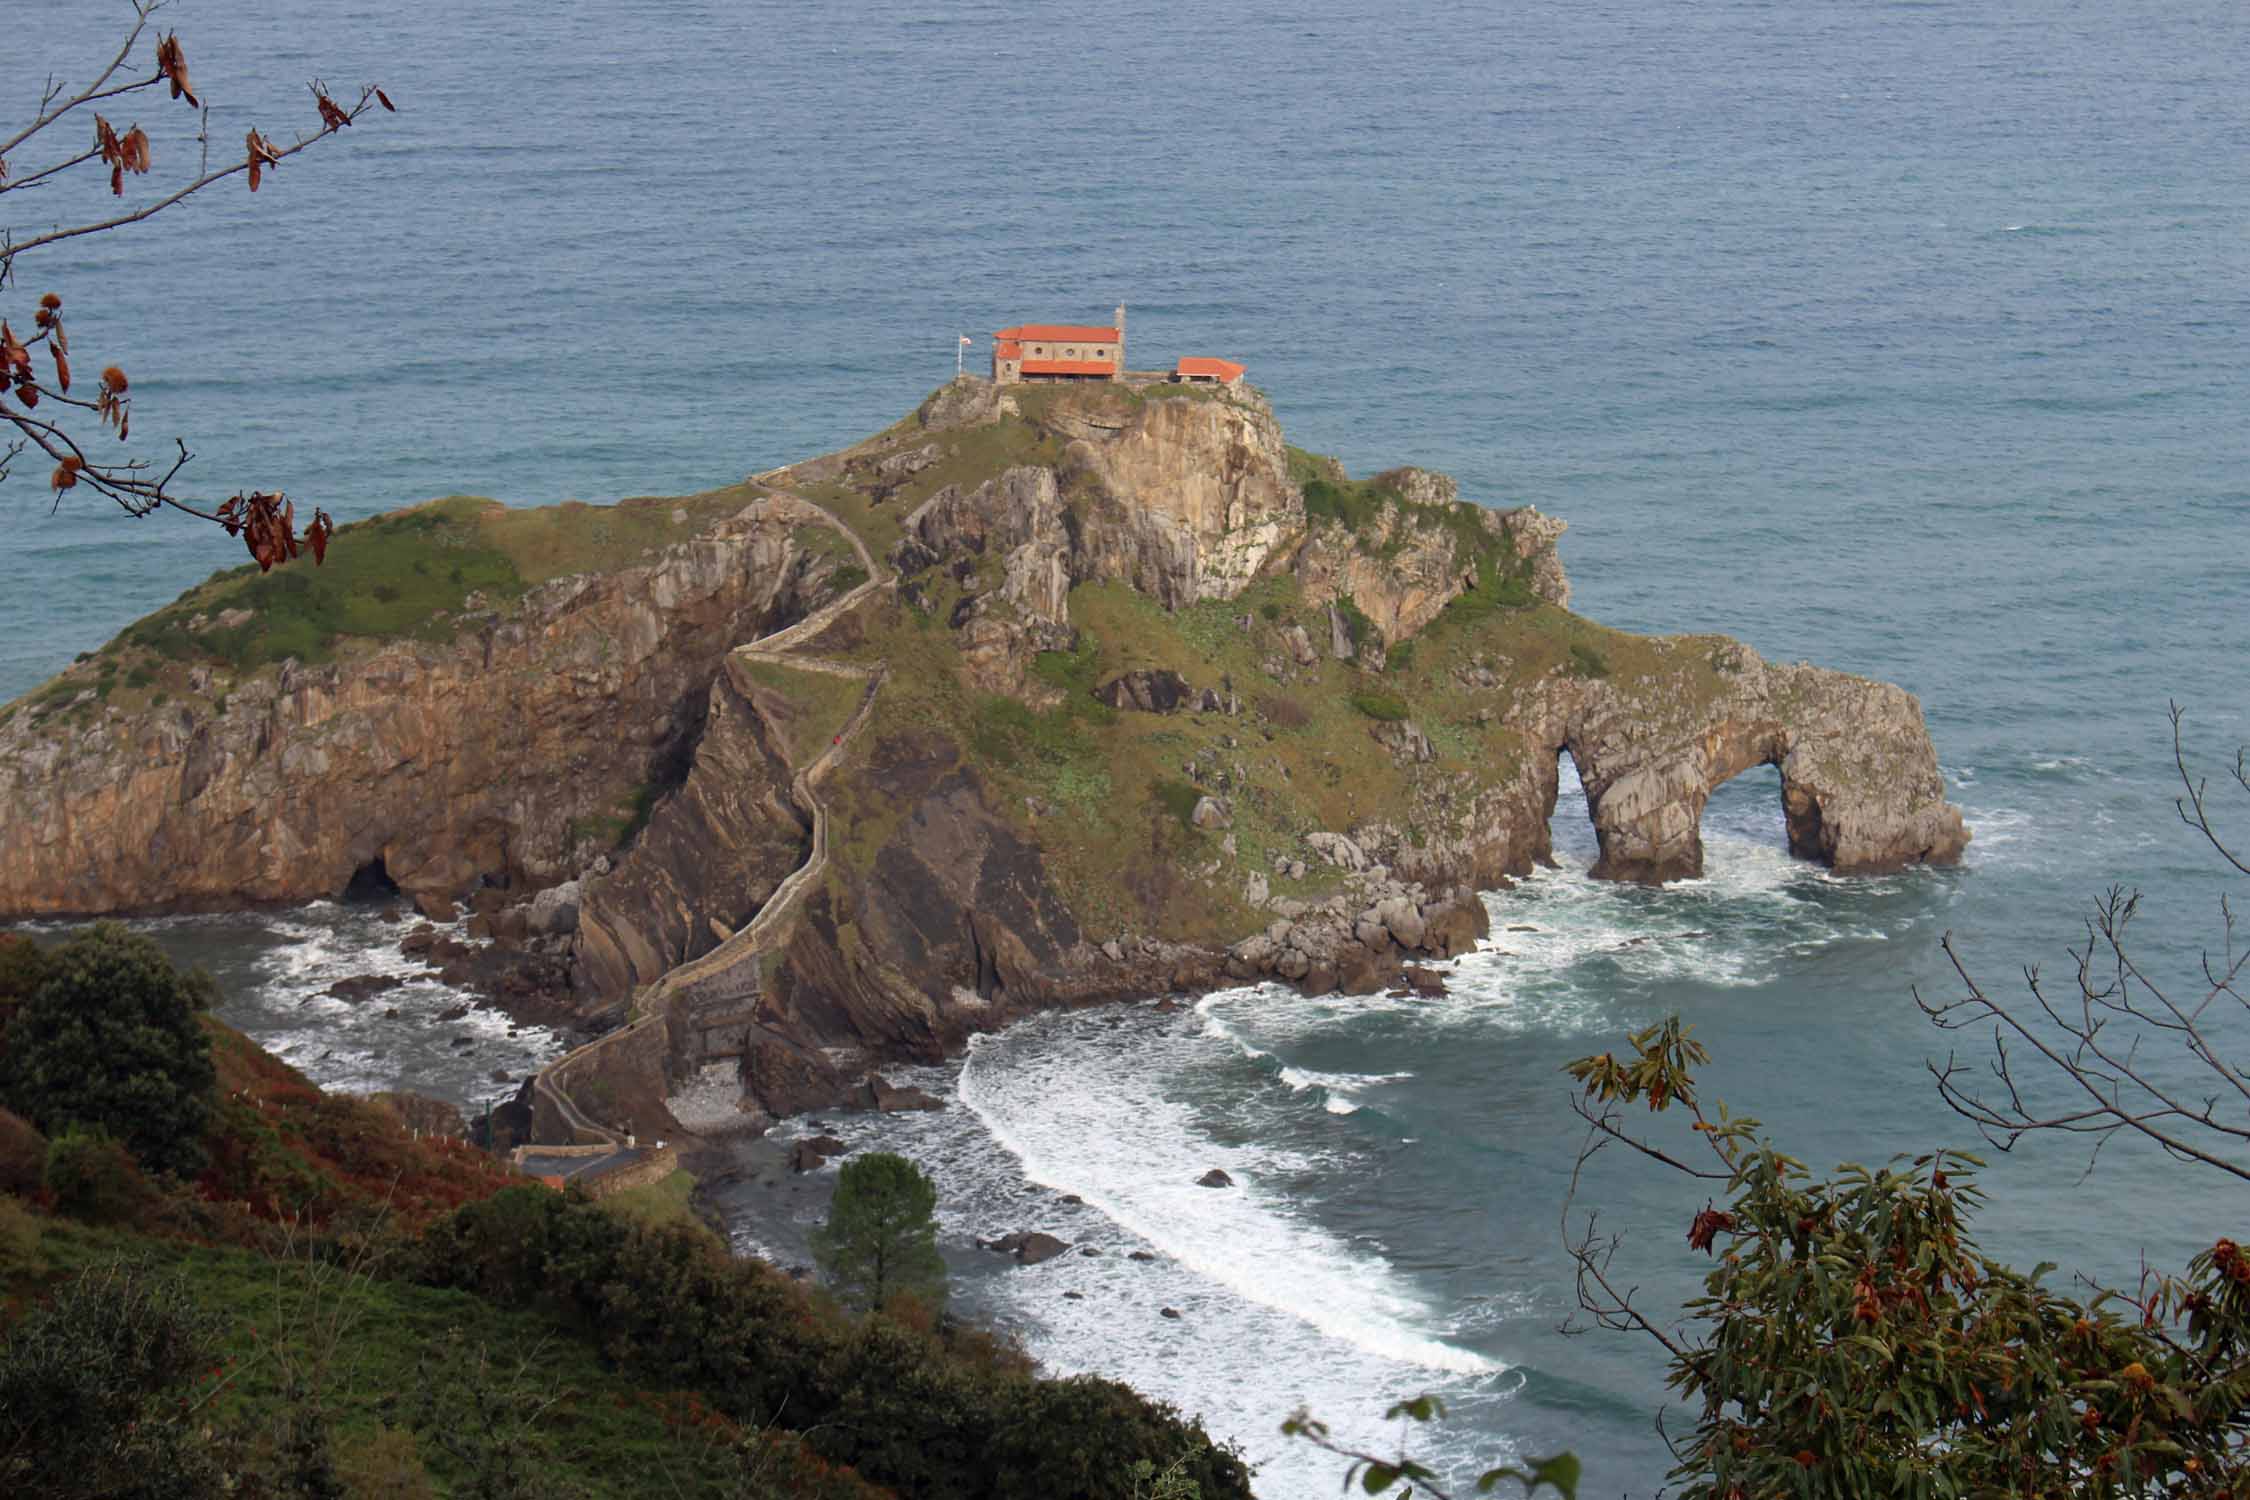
<point>1042,696</point>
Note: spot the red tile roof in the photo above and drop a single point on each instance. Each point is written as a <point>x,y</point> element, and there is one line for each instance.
<point>1060,333</point>
<point>1069,367</point>
<point>1198,364</point>
<point>1009,351</point>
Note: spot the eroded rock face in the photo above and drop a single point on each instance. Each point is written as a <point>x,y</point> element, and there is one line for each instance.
<point>711,855</point>
<point>1183,499</point>
<point>1018,517</point>
<point>485,758</point>
<point>1400,571</point>
<point>954,927</point>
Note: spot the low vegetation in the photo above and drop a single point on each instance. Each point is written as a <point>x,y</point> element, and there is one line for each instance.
<point>315,1302</point>
<point>414,574</point>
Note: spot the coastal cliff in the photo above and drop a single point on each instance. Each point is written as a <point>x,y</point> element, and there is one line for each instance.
<point>1096,692</point>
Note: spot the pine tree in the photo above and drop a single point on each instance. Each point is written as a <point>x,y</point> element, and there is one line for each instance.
<point>113,1038</point>
<point>881,1234</point>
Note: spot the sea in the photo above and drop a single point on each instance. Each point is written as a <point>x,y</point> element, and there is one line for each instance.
<point>1904,336</point>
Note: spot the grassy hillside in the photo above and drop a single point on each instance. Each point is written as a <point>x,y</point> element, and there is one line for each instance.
<point>409,574</point>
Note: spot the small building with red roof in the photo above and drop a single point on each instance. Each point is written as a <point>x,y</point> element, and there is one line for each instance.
<point>1058,352</point>
<point>1201,369</point>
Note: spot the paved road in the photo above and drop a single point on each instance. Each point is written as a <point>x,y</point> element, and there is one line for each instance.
<point>780,647</point>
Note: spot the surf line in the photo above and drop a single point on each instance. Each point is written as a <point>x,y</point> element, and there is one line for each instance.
<point>1329,1270</point>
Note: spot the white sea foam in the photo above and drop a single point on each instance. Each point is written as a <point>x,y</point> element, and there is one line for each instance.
<point>1339,1091</point>
<point>1135,1154</point>
<point>358,1046</point>
<point>1274,1311</point>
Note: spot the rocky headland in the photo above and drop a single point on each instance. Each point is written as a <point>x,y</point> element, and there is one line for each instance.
<point>1040,697</point>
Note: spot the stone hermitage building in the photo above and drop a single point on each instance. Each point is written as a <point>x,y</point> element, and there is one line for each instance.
<point>1059,352</point>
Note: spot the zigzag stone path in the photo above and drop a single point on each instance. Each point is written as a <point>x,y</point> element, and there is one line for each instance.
<point>647,1008</point>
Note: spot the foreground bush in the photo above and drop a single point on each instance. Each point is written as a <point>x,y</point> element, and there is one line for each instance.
<point>111,1037</point>
<point>921,1410</point>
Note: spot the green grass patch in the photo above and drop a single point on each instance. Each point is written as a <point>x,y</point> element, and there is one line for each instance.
<point>1387,708</point>
<point>1177,798</point>
<point>818,704</point>
<point>668,1200</point>
<point>622,823</point>
<point>1586,661</point>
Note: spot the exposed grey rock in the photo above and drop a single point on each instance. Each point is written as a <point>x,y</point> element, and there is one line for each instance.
<point>1215,1178</point>
<point>1255,890</point>
<point>1406,741</point>
<point>554,911</point>
<point>1402,919</point>
<point>1339,635</point>
<point>1211,812</point>
<point>1337,850</point>
<point>1300,645</point>
<point>882,1096</point>
<point>1150,691</point>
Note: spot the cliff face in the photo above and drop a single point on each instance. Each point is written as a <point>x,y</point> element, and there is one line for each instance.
<point>511,754</point>
<point>1094,693</point>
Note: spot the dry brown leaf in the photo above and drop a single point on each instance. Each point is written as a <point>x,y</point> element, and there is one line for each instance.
<point>172,64</point>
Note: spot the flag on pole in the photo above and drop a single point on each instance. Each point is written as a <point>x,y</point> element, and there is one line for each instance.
<point>965,338</point>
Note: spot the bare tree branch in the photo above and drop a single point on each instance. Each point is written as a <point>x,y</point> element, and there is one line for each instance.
<point>2093,1043</point>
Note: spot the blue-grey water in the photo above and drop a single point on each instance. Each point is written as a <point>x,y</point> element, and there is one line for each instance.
<point>1908,338</point>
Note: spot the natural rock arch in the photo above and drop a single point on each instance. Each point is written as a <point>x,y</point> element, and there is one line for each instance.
<point>1860,788</point>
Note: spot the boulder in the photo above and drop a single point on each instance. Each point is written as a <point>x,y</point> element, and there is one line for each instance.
<point>1454,927</point>
<point>1211,812</point>
<point>1255,890</point>
<point>437,908</point>
<point>554,911</point>
<point>1149,691</point>
<point>814,1152</point>
<point>1337,850</point>
<point>1406,742</point>
<point>1427,983</point>
<point>1143,1255</point>
<point>363,986</point>
<point>1169,1312</point>
<point>1300,645</point>
<point>1036,1247</point>
<point>1402,919</point>
<point>1359,971</point>
<point>1215,1178</point>
<point>881,1096</point>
